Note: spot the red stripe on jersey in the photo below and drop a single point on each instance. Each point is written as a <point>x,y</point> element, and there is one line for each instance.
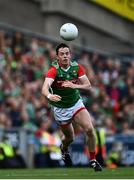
<point>81,70</point>
<point>52,72</point>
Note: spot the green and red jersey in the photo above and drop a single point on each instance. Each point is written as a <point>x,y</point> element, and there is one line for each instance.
<point>59,75</point>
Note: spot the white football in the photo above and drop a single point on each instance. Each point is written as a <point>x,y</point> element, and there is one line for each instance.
<point>68,32</point>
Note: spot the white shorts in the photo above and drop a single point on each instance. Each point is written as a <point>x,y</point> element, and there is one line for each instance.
<point>64,115</point>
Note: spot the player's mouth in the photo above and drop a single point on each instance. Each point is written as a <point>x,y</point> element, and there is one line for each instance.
<point>65,60</point>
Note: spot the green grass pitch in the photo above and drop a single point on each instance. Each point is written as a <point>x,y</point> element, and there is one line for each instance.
<point>67,173</point>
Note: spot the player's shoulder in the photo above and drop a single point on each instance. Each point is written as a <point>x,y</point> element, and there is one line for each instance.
<point>81,68</point>
<point>55,64</point>
<point>52,69</point>
<point>74,63</point>
<point>51,73</point>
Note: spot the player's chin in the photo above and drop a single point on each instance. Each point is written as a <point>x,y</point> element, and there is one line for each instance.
<point>65,61</point>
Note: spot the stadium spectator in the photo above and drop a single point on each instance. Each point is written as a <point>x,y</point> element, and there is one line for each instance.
<point>49,154</point>
<point>9,156</point>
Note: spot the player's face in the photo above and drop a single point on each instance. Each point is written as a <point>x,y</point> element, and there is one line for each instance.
<point>64,56</point>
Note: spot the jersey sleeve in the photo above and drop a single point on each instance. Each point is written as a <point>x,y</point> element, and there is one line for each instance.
<point>81,71</point>
<point>52,72</point>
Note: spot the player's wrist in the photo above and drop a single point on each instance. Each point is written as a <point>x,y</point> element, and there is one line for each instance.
<point>49,95</point>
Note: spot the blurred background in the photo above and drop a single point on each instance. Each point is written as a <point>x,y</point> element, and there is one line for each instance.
<point>29,32</point>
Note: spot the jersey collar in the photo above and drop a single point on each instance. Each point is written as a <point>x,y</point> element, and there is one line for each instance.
<point>65,69</point>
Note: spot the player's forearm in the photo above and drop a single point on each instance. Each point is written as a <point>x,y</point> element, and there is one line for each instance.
<point>46,86</point>
<point>83,86</point>
<point>46,93</point>
<point>45,90</point>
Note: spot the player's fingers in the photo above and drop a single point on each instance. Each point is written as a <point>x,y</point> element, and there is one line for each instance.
<point>57,96</point>
<point>56,100</point>
<point>65,85</point>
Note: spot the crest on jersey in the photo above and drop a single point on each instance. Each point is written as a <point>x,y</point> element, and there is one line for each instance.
<point>61,75</point>
<point>68,76</point>
<point>74,72</point>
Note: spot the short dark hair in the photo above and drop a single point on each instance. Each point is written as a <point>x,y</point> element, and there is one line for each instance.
<point>62,45</point>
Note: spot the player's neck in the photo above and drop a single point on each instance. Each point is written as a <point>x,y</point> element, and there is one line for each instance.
<point>64,66</point>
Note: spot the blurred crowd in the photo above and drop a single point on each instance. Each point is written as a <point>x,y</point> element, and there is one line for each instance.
<point>23,64</point>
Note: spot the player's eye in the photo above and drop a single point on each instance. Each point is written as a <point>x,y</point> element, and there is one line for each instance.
<point>61,54</point>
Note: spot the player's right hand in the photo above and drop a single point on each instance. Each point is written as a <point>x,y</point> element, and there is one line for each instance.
<point>54,97</point>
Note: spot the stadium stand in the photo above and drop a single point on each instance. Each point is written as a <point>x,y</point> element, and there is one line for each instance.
<point>24,60</point>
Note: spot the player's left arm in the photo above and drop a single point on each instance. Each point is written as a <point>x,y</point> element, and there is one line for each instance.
<point>84,81</point>
<point>84,84</point>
